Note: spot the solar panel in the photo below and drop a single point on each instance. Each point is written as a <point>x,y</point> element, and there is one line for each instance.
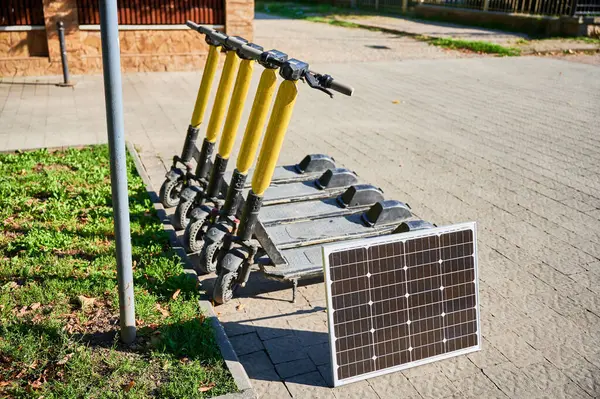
<point>401,300</point>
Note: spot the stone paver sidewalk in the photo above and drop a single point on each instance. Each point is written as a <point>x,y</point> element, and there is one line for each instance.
<point>511,143</point>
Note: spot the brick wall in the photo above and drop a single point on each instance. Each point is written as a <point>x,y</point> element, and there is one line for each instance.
<point>37,52</point>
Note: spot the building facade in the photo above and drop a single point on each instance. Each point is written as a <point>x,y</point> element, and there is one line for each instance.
<point>153,35</point>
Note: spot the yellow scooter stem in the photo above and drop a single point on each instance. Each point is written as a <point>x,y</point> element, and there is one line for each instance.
<point>223,92</point>
<point>210,69</point>
<point>273,141</point>
<point>257,119</point>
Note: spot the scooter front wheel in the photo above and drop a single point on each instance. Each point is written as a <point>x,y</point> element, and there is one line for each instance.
<point>169,193</point>
<point>193,237</point>
<point>209,256</point>
<point>225,286</point>
<point>181,218</point>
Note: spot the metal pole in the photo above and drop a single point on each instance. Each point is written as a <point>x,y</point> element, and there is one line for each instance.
<point>113,93</point>
<point>63,53</point>
<point>573,9</point>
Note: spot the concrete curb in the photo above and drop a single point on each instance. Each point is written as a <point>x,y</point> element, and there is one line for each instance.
<point>231,360</point>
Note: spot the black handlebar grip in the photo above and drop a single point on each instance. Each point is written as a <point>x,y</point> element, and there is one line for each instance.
<point>252,52</point>
<point>341,88</point>
<point>192,25</point>
<point>207,31</point>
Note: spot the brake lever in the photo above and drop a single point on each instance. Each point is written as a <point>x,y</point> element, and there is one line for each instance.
<point>314,83</point>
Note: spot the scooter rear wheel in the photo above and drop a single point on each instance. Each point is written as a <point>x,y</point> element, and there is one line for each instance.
<point>169,193</point>
<point>225,286</point>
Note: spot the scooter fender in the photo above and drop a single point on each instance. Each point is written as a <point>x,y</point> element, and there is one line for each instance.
<point>174,174</point>
<point>233,260</point>
<point>199,214</point>
<point>216,233</point>
<point>190,193</point>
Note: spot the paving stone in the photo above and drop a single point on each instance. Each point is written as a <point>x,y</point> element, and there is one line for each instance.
<point>459,367</point>
<point>356,390</point>
<point>515,349</point>
<point>285,349</point>
<point>586,375</point>
<point>425,369</point>
<point>310,330</point>
<point>435,385</point>
<point>562,356</point>
<point>319,354</point>
<point>326,373</point>
<point>236,324</point>
<point>311,385</point>
<point>247,343</point>
<point>487,356</point>
<point>255,363</point>
<point>546,375</point>
<point>512,381</point>
<point>475,385</point>
<point>589,300</point>
<point>568,391</point>
<point>394,385</point>
<point>269,386</point>
<point>588,279</point>
<point>295,367</point>
<point>271,327</point>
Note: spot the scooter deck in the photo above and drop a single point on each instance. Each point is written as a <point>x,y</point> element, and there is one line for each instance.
<point>354,199</point>
<point>304,211</point>
<point>381,218</point>
<point>307,262</point>
<point>309,168</point>
<point>283,174</point>
<point>285,236</point>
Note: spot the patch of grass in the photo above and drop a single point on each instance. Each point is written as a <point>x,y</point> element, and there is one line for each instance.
<point>58,296</point>
<point>582,39</point>
<point>475,46</point>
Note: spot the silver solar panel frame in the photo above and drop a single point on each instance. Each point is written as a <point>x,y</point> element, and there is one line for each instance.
<point>368,242</point>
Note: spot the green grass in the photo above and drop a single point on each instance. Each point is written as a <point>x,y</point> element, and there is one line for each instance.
<point>475,46</point>
<point>56,244</point>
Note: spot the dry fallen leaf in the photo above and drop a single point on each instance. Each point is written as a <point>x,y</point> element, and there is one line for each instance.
<point>4,383</point>
<point>37,384</point>
<point>176,294</point>
<point>396,102</point>
<point>162,311</point>
<point>207,387</point>
<point>65,359</point>
<point>34,306</point>
<point>84,302</point>
<point>12,284</point>
<point>127,387</point>
<point>239,307</point>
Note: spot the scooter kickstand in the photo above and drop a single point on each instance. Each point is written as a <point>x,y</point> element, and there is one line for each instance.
<point>294,289</point>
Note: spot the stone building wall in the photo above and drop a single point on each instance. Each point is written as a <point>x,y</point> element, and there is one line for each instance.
<point>37,52</point>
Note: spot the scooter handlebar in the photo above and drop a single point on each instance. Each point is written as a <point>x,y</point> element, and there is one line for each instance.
<point>341,88</point>
<point>256,53</point>
<point>221,37</point>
